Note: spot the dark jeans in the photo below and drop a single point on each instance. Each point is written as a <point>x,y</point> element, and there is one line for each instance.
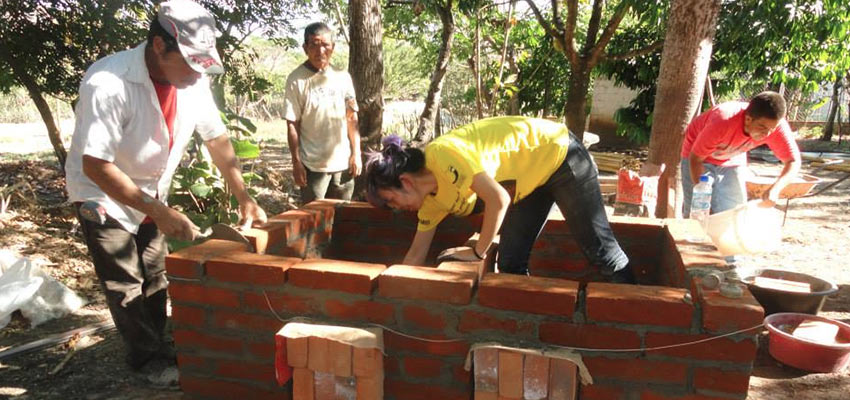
<point>334,185</point>
<point>131,269</point>
<point>574,187</point>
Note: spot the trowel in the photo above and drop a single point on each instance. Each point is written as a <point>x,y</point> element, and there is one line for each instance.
<point>224,232</point>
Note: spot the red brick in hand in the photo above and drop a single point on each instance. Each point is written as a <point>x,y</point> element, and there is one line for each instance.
<point>188,262</point>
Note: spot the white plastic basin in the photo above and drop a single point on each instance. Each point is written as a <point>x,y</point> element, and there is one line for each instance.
<point>746,229</point>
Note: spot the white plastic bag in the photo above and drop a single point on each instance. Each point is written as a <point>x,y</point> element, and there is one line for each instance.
<point>24,286</point>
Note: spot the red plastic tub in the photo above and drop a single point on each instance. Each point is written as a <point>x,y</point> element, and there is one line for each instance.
<point>804,354</point>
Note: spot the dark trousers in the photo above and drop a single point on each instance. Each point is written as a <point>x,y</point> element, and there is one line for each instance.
<point>131,269</point>
<point>333,185</point>
<point>574,187</point>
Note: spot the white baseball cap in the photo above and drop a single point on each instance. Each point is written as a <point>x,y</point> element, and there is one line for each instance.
<point>194,28</point>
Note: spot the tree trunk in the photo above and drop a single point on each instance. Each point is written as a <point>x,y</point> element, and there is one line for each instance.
<point>366,63</point>
<point>53,132</point>
<point>684,65</point>
<point>425,131</point>
<point>476,65</point>
<point>833,110</point>
<point>574,111</point>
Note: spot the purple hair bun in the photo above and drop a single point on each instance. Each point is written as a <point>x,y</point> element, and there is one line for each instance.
<point>392,140</point>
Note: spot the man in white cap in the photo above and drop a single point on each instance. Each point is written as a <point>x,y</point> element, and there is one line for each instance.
<point>135,116</point>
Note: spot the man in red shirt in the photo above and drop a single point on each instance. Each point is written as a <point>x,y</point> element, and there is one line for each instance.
<point>717,141</point>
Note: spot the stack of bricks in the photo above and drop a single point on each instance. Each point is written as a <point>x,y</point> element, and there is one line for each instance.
<point>508,374</point>
<point>325,369</point>
<point>228,304</point>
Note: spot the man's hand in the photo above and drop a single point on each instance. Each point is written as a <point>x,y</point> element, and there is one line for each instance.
<point>771,195</point>
<point>251,212</point>
<point>299,173</point>
<point>174,224</point>
<point>461,253</point>
<point>355,165</point>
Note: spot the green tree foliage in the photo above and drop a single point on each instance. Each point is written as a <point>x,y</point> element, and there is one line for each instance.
<point>46,45</point>
<point>759,44</point>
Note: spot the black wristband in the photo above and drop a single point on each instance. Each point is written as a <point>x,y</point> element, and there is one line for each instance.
<point>476,253</point>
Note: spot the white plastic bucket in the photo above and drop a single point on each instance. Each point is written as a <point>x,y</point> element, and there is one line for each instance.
<point>746,229</point>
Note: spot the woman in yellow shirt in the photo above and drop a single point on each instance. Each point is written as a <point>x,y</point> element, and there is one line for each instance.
<point>546,162</point>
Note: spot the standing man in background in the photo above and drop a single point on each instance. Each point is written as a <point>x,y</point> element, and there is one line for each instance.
<point>320,109</point>
<point>135,116</point>
<point>717,142</point>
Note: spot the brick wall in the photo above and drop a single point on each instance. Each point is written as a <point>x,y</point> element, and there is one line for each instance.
<point>228,304</point>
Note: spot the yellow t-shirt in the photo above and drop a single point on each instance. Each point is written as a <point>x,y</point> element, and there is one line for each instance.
<point>527,150</point>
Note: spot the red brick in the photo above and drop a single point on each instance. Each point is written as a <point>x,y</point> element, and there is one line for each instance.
<point>461,266</point>
<point>722,349</point>
<point>401,390</point>
<point>371,311</point>
<point>424,283</point>
<point>423,319</point>
<point>346,276</point>
<point>479,395</point>
<point>267,237</point>
<point>195,387</point>
<point>324,386</point>
<point>474,321</point>
<point>186,263</point>
<point>244,267</point>
<point>367,362</point>
<point>196,340</point>
<point>718,380</point>
<point>370,388</point>
<point>245,371</point>
<point>296,248</point>
<point>355,250</point>
<point>302,384</point>
<point>460,374</point>
<point>721,314</point>
<point>639,370</point>
<point>346,388</point>
<point>245,322</point>
<point>557,264</point>
<point>296,351</point>
<point>447,348</point>
<point>340,355</point>
<point>318,356</point>
<point>598,391</point>
<point>326,207</point>
<point>421,367</point>
<point>588,336</point>
<point>485,363</point>
<point>563,380</point>
<point>187,361</point>
<point>510,374</point>
<point>281,303</point>
<point>186,315</point>
<point>535,377</point>
<point>362,212</point>
<point>263,349</point>
<point>651,395</point>
<point>643,305</point>
<point>180,292</point>
<point>534,295</point>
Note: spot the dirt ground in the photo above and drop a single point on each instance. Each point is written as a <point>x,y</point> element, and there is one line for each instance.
<point>39,225</point>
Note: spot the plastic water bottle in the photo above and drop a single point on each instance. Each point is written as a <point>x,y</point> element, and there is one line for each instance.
<point>701,201</point>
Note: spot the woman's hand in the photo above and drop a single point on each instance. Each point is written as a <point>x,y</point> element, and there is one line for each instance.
<point>461,253</point>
